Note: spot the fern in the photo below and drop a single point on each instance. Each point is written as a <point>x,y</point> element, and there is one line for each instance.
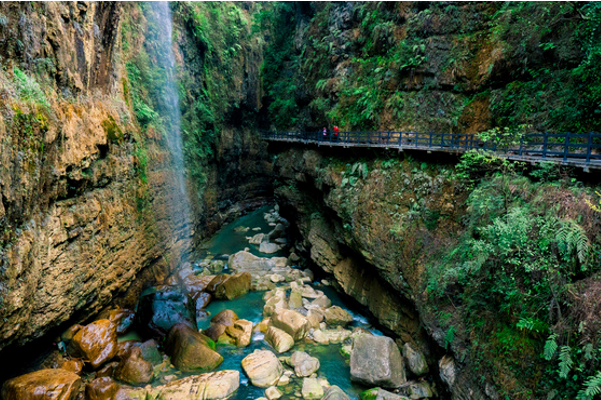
<point>592,387</point>
<point>550,347</point>
<point>565,361</point>
<point>571,237</point>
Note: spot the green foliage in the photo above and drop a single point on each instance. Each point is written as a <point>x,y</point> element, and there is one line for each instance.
<point>592,388</point>
<point>550,347</point>
<point>29,90</point>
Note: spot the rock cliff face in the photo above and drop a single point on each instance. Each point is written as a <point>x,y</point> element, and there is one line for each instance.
<point>86,198</point>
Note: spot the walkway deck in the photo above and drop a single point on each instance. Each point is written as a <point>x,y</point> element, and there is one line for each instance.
<point>578,150</point>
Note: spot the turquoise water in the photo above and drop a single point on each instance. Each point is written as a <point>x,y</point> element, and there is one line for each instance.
<point>230,241</point>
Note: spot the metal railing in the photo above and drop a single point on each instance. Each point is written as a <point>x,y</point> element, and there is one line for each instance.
<point>570,149</point>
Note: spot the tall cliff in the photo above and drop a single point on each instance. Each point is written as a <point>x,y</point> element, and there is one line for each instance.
<point>86,199</point>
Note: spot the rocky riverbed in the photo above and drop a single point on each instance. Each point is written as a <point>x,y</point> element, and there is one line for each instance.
<point>237,325</point>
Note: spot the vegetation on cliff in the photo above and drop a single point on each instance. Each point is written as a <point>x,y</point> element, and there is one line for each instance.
<point>436,66</point>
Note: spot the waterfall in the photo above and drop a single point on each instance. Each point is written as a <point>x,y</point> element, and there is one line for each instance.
<point>169,110</point>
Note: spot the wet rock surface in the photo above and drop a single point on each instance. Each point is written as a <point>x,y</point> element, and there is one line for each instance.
<point>190,350</point>
<point>377,361</point>
<point>160,310</point>
<point>44,384</point>
<point>96,343</point>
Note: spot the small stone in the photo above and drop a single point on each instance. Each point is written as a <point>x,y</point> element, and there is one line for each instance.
<point>275,278</point>
<point>102,389</point>
<point>415,359</point>
<point>272,393</point>
<point>335,393</point>
<point>284,380</point>
<point>303,363</point>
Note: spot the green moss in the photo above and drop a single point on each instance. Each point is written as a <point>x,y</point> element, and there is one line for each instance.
<point>113,132</point>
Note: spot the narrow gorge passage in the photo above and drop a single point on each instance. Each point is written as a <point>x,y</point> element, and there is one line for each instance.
<point>300,200</point>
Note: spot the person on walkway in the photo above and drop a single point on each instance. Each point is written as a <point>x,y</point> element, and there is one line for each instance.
<point>325,131</point>
<point>336,132</point>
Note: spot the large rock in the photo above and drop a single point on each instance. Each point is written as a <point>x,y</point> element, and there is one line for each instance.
<point>335,393</point>
<point>291,322</point>
<point>241,332</point>
<point>214,331</point>
<point>225,317</point>
<point>381,394</point>
<point>415,359</point>
<point>303,363</point>
<point>337,316</point>
<point>211,386</point>
<point>448,373</point>
<point>274,302</point>
<point>191,351</point>
<point>96,343</point>
<point>201,300</point>
<point>160,310</point>
<point>311,389</point>
<point>278,339</point>
<point>377,361</point>
<point>192,283</point>
<point>51,384</point>
<point>245,261</point>
<point>133,369</point>
<point>269,248</point>
<point>263,368</point>
<point>103,388</point>
<point>230,286</point>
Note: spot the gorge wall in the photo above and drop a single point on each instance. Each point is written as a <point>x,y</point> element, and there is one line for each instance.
<point>86,196</point>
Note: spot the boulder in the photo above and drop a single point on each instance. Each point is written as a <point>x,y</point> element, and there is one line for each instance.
<point>337,316</point>
<point>303,363</point>
<point>209,386</point>
<point>381,394</point>
<point>150,352</point>
<point>275,303</point>
<point>102,389</point>
<point>269,248</point>
<point>314,316</point>
<point>201,300</point>
<point>225,317</point>
<point>278,232</point>
<point>241,332</point>
<point>214,331</point>
<point>133,369</point>
<point>263,368</point>
<point>292,322</point>
<point>95,343</point>
<point>256,239</point>
<point>415,359</point>
<point>160,310</point>
<point>52,384</point>
<point>377,361</point>
<point>192,283</point>
<point>322,301</point>
<point>124,347</point>
<point>191,351</point>
<point>311,390</point>
<point>419,390</point>
<point>107,370</point>
<point>122,318</point>
<point>296,299</point>
<point>279,340</point>
<point>280,262</point>
<point>263,325</point>
<point>234,286</point>
<point>75,366</point>
<point>335,393</point>
<point>245,261</point>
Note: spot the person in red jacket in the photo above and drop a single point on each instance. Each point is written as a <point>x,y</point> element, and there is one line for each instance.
<point>335,132</point>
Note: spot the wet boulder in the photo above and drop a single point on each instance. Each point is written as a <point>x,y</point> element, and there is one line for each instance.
<point>133,369</point>
<point>215,331</point>
<point>56,384</point>
<point>303,363</point>
<point>209,386</point>
<point>95,343</point>
<point>193,283</point>
<point>191,351</point>
<point>225,317</point>
<point>150,352</point>
<point>279,340</point>
<point>160,310</point>
<point>230,286</point>
<point>67,335</point>
<point>241,332</point>
<point>291,322</point>
<point>335,393</point>
<point>311,389</point>
<point>263,368</point>
<point>122,318</point>
<point>201,299</point>
<point>337,316</point>
<point>75,366</point>
<point>103,388</point>
<point>377,361</point>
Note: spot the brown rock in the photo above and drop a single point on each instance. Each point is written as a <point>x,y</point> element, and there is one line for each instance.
<point>124,347</point>
<point>107,370</point>
<point>291,322</point>
<point>337,316</point>
<point>133,369</point>
<point>96,343</point>
<point>51,384</point>
<point>191,351</point>
<point>214,331</point>
<point>201,300</point>
<point>69,333</point>
<point>225,317</point>
<point>75,366</point>
<point>122,318</point>
<point>102,389</point>
<point>241,332</point>
<point>279,340</point>
<point>216,281</point>
<point>230,286</point>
